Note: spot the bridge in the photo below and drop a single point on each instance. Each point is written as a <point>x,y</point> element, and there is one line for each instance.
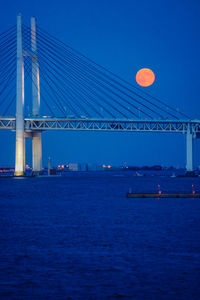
<point>78,93</point>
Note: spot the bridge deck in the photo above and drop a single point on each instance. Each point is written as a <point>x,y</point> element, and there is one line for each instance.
<point>35,124</point>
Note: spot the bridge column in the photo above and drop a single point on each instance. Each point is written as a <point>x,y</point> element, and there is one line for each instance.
<point>36,136</point>
<point>189,150</point>
<point>20,141</point>
<point>36,152</point>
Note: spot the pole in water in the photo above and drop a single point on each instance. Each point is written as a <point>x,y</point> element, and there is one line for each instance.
<point>159,191</point>
<point>49,166</point>
<point>193,191</point>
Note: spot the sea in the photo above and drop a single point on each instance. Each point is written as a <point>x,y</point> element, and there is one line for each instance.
<point>77,236</point>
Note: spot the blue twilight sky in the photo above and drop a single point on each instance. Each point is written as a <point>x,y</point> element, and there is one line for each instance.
<point>123,36</point>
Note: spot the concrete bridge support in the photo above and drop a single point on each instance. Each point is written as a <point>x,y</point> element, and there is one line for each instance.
<point>189,151</point>
<point>36,152</point>
<point>36,137</point>
<point>20,140</point>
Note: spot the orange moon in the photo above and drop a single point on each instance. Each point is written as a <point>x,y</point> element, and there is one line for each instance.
<point>145,77</point>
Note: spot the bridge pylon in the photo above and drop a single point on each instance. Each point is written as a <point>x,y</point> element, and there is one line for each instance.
<point>20,134</point>
<point>20,140</point>
<point>36,136</point>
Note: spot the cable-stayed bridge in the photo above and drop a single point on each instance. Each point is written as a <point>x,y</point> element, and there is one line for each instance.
<point>71,92</point>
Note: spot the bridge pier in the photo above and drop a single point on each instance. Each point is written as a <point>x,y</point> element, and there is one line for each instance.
<point>189,151</point>
<point>20,140</point>
<point>36,153</point>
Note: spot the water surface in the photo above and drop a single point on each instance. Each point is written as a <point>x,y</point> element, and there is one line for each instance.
<point>79,237</point>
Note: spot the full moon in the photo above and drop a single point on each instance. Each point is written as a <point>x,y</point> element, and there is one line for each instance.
<point>145,77</point>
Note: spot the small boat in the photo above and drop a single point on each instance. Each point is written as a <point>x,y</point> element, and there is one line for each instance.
<point>138,174</point>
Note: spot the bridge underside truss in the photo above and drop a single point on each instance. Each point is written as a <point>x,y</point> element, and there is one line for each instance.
<point>7,123</point>
<point>43,124</point>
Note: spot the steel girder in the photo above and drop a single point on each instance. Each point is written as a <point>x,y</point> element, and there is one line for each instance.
<point>43,124</point>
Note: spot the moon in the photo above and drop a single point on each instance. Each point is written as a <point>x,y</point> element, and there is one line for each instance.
<point>145,77</point>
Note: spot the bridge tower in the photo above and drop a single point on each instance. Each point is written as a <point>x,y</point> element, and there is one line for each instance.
<point>20,140</point>
<point>20,134</point>
<point>36,136</point>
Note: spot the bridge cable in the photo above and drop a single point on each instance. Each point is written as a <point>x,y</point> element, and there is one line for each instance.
<point>54,91</point>
<point>28,71</point>
<point>140,102</point>
<point>111,73</point>
<point>101,105</point>
<point>62,83</point>
<point>127,101</point>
